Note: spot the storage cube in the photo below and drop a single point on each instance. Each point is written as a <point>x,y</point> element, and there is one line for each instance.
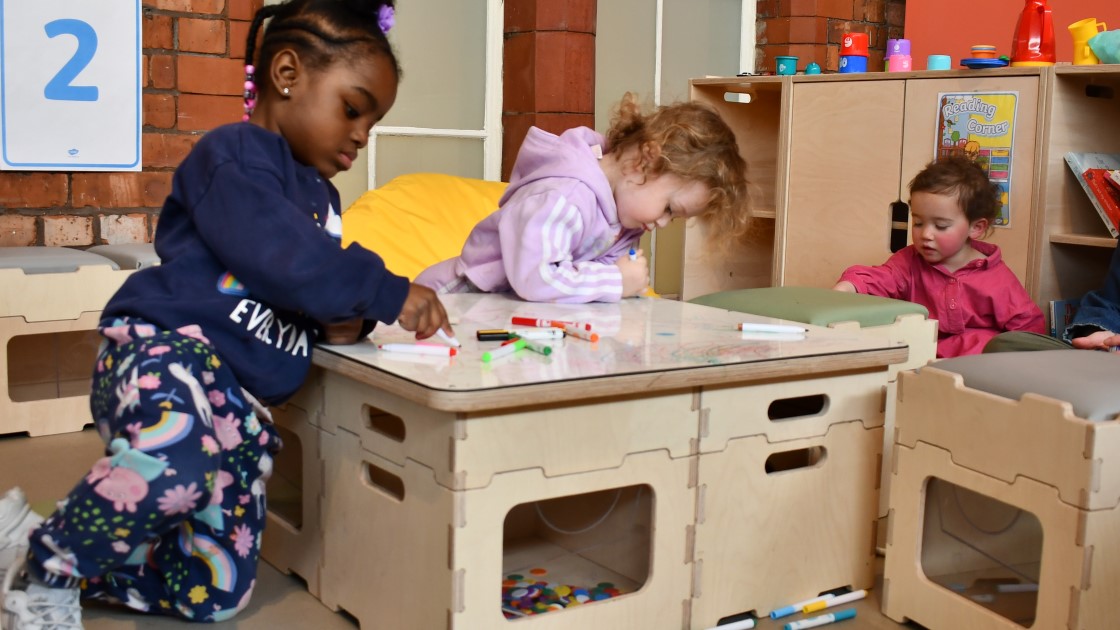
<point>1004,506</point>
<point>782,522</point>
<point>402,550</point>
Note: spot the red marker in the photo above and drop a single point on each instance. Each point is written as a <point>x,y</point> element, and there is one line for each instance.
<point>547,323</point>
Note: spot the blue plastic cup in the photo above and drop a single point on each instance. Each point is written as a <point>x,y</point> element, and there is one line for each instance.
<point>853,63</point>
<point>939,62</point>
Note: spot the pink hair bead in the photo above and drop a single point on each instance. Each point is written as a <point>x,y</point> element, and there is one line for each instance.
<point>249,85</point>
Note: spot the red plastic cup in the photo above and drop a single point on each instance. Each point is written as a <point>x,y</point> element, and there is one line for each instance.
<point>853,44</point>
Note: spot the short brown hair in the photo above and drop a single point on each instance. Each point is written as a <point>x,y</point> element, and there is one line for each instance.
<point>960,177</point>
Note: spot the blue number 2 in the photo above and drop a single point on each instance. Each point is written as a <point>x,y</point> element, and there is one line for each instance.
<point>59,88</point>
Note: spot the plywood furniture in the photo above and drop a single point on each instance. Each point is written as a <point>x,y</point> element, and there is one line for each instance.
<point>441,476</point>
<point>49,309</point>
<point>828,155</point>
<point>1004,509</point>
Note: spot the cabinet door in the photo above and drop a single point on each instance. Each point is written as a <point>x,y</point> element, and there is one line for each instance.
<point>846,139</point>
<point>922,101</point>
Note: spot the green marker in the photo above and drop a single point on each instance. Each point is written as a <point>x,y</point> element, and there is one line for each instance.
<point>502,351</point>
<point>536,346</point>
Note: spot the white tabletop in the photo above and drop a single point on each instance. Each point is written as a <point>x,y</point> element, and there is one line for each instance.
<point>645,345</point>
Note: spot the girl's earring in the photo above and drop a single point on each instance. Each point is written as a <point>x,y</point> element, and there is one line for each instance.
<point>286,92</point>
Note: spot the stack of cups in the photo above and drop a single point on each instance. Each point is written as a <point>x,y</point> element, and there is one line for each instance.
<point>853,52</point>
<point>898,55</point>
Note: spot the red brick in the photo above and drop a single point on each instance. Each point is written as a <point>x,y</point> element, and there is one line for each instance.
<point>238,33</point>
<point>518,73</point>
<point>896,16</point>
<point>840,9</point>
<point>33,190</point>
<point>202,36</point>
<point>873,10</point>
<point>159,111</point>
<point>67,231</point>
<point>158,31</point>
<point>565,72</point>
<point>808,30</point>
<point>209,75</point>
<point>17,231</point>
<point>124,228</point>
<point>549,15</point>
<point>121,190</point>
<point>210,7</point>
<point>167,150</point>
<point>203,113</point>
<point>832,59</point>
<point>772,31</point>
<point>244,9</point>
<point>766,9</point>
<point>145,79</point>
<point>161,72</point>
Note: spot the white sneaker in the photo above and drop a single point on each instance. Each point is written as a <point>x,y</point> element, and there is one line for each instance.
<point>35,607</point>
<point>16,522</point>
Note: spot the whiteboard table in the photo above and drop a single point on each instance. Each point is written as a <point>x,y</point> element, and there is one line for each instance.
<point>438,477</point>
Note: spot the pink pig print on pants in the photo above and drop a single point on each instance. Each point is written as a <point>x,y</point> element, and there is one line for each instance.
<point>124,487</point>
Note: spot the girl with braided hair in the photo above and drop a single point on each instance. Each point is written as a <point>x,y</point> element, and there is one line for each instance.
<point>170,520</point>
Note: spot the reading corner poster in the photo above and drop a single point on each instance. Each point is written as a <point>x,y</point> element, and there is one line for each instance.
<point>979,125</point>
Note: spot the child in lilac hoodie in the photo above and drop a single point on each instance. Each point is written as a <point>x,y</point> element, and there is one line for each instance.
<point>578,202</point>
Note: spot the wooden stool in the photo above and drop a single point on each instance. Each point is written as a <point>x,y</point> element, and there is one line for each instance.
<point>1005,504</point>
<point>49,310</point>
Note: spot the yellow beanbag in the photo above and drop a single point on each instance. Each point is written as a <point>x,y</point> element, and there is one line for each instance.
<point>417,220</point>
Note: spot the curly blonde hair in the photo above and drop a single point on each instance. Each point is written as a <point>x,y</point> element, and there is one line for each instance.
<point>693,143</point>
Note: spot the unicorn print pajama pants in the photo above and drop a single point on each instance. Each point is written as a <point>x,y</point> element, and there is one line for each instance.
<point>170,520</point>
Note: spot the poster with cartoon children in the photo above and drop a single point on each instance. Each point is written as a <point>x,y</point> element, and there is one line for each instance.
<point>979,125</point>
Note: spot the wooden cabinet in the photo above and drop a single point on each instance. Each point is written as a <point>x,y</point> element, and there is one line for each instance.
<point>828,155</point>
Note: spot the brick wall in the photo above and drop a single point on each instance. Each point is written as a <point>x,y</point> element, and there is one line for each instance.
<point>193,59</point>
<point>811,30</point>
<point>549,59</point>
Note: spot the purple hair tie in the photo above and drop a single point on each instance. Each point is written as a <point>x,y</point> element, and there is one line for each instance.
<point>385,17</point>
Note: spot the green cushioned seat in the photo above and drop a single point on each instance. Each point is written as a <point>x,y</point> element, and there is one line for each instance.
<point>812,305</point>
<point>1085,379</point>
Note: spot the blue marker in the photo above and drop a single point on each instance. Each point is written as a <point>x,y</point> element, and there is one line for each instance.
<point>786,611</point>
<point>633,254</point>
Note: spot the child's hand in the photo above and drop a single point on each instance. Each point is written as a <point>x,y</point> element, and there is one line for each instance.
<point>635,273</point>
<point>343,333</point>
<point>1100,340</point>
<point>845,286</point>
<point>423,313</point>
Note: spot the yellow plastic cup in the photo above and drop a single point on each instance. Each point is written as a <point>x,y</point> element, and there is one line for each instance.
<point>1082,31</point>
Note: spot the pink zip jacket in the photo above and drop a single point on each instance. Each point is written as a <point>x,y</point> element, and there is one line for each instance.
<point>555,236</point>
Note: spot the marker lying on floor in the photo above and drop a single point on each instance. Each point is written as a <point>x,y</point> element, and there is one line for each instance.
<point>545,323</point>
<point>575,331</point>
<point>418,348</point>
<point>536,346</point>
<point>835,601</point>
<point>524,333</point>
<point>786,611</point>
<point>823,620</point>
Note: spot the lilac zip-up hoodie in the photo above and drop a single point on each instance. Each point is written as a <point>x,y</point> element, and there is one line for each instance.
<point>555,236</point>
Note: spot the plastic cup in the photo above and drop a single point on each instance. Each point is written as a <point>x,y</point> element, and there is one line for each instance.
<point>898,47</point>
<point>854,44</point>
<point>899,63</point>
<point>1082,31</point>
<point>785,64</point>
<point>853,63</point>
<point>939,62</point>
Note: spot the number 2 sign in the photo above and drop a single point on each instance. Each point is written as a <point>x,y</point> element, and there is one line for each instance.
<point>70,85</point>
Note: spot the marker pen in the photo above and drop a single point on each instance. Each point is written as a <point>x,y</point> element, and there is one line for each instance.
<point>503,350</point>
<point>494,335</point>
<point>823,620</point>
<point>544,323</point>
<point>418,348</point>
<point>536,346</point>
<point>786,611</point>
<point>538,333</point>
<point>634,256</point>
<point>745,624</point>
<point>835,601</point>
<point>772,328</point>
<point>580,332</point>
<point>453,342</point>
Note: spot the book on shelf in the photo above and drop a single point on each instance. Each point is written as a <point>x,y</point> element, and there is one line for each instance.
<point>1061,315</point>
<point>1114,178</point>
<point>1094,172</point>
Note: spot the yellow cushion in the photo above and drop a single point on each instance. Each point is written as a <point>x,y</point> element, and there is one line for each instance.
<point>417,220</point>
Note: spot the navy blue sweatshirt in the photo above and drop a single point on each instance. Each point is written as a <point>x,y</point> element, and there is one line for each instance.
<point>245,256</point>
